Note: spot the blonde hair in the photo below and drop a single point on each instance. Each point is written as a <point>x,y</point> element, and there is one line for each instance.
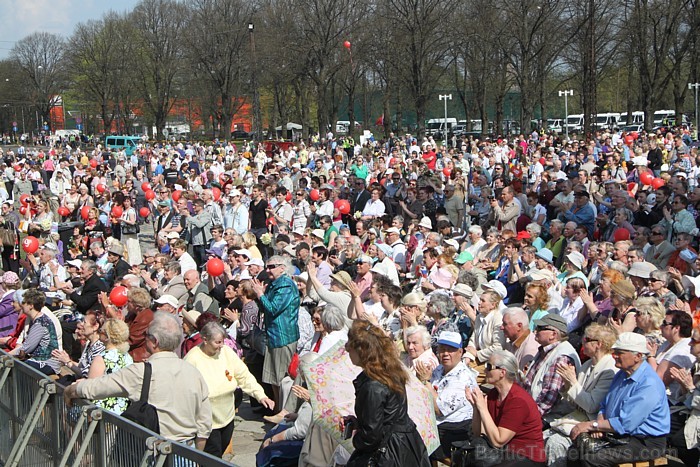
<point>117,332</point>
<point>652,307</point>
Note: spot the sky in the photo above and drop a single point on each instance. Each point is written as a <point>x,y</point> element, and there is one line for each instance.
<point>20,18</point>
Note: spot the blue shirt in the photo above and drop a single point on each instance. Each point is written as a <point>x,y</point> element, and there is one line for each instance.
<point>637,405</point>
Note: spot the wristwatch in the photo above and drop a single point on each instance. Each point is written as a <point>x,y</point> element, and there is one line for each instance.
<point>594,425</point>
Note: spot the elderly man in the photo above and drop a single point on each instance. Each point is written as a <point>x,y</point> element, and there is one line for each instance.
<point>661,249</point>
<point>199,227</point>
<point>635,411</point>
<point>398,249</point>
<point>120,268</point>
<point>51,273</point>
<point>184,414</point>
<point>476,242</point>
<point>198,297</point>
<point>542,380</point>
<point>280,304</point>
<point>581,212</point>
<point>86,299</point>
<point>520,341</point>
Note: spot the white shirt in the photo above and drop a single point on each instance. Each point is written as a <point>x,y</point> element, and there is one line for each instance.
<point>374,208</point>
<point>451,400</point>
<point>187,263</point>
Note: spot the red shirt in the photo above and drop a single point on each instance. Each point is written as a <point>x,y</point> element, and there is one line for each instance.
<point>430,158</point>
<point>518,412</point>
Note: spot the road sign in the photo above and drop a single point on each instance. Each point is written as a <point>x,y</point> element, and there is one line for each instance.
<point>14,123</point>
<point>79,126</point>
<point>46,128</point>
<point>78,120</point>
<point>14,128</point>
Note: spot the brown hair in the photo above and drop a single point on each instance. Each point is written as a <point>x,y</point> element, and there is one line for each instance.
<point>379,357</point>
<point>542,296</point>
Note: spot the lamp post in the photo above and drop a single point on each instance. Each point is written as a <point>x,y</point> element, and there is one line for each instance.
<point>445,97</point>
<point>697,120</point>
<point>257,117</point>
<point>566,95</point>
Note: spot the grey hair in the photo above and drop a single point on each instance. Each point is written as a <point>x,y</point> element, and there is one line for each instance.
<point>661,275</point>
<point>558,223</point>
<point>534,227</point>
<point>132,279</point>
<point>575,245</point>
<point>506,360</point>
<point>629,216</point>
<point>517,315</point>
<point>476,230</point>
<point>166,329</point>
<point>619,266</point>
<point>333,319</point>
<point>493,231</point>
<point>174,266</point>
<point>425,335</point>
<point>435,236</point>
<point>285,260</point>
<point>442,303</point>
<point>399,219</point>
<point>212,330</point>
<point>90,264</point>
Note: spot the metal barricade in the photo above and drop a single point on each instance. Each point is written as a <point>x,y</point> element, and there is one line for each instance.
<point>38,429</point>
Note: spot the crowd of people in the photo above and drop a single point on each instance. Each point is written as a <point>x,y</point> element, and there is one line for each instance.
<point>545,291</point>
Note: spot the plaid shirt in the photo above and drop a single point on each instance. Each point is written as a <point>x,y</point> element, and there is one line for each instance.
<point>552,382</point>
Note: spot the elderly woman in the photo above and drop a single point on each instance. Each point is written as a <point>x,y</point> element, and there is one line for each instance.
<point>488,335</point>
<point>507,416</point>
<point>224,372</point>
<point>8,313</point>
<point>41,338</point>
<point>114,335</point>
<point>535,230</point>
<point>417,344</point>
<point>439,309</point>
<point>658,285</point>
<point>602,300</point>
<point>536,302</point>
<point>623,315</point>
<point>490,253</point>
<point>573,310</point>
<point>649,318</point>
<point>88,330</point>
<point>573,265</point>
<point>586,391</point>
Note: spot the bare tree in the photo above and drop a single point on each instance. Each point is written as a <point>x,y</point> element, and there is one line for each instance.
<point>39,58</point>
<point>157,29</point>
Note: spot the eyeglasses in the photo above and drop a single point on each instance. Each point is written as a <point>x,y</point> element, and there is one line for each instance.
<point>664,323</point>
<point>656,233</point>
<point>272,266</point>
<point>300,194</point>
<point>694,341</point>
<point>490,367</point>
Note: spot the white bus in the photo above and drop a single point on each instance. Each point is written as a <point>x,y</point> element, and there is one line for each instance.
<point>606,121</point>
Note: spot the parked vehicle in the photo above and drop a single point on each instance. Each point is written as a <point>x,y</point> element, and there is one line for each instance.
<point>555,125</point>
<point>128,144</point>
<point>637,118</point>
<point>606,121</point>
<point>574,122</point>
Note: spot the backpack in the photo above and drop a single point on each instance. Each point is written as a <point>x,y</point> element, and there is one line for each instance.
<point>140,411</point>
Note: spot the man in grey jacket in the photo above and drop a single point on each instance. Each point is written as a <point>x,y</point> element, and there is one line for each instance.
<point>199,227</point>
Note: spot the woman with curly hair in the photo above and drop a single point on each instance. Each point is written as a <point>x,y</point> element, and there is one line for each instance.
<point>384,435</point>
<point>536,302</point>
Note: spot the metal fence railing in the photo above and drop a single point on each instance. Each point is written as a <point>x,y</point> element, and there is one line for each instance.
<point>38,429</point>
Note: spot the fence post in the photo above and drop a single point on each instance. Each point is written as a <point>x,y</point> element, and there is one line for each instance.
<point>8,363</point>
<point>46,389</point>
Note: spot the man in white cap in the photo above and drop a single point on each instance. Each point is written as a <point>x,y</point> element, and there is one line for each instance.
<point>393,239</point>
<point>635,410</point>
<point>167,303</point>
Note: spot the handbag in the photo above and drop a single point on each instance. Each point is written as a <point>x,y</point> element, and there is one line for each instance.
<point>477,452</point>
<point>140,411</point>
<point>8,237</point>
<point>129,229</point>
<point>257,340</point>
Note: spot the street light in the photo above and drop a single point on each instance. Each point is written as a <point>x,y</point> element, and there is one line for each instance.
<point>566,95</point>
<point>445,97</point>
<point>257,117</point>
<point>697,120</point>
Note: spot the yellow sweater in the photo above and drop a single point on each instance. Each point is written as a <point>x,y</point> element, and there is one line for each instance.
<point>223,374</point>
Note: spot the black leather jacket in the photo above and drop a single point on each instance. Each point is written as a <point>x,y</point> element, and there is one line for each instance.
<point>385,433</point>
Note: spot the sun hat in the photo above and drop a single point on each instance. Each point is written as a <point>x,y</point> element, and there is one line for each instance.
<point>496,286</point>
<point>441,278</point>
<point>545,254</point>
<point>641,269</point>
<point>172,236</point>
<point>463,290</point>
<point>450,338</point>
<point>692,283</point>
<point>631,341</point>
<point>255,262</point>
<point>9,278</point>
<point>453,243</point>
<point>413,298</point>
<point>216,251</point>
<point>426,222</point>
<point>385,248</point>
<point>342,278</point>
<point>393,230</point>
<point>190,316</point>
<point>318,233</point>
<point>244,252</point>
<point>576,259</point>
<point>116,249</point>
<point>624,288</point>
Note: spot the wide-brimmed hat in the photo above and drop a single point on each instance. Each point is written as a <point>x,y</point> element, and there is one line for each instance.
<point>342,278</point>
<point>463,290</point>
<point>191,316</point>
<point>442,278</point>
<point>576,259</point>
<point>116,249</point>
<point>318,233</point>
<point>546,254</point>
<point>426,222</point>
<point>641,269</point>
<point>632,342</point>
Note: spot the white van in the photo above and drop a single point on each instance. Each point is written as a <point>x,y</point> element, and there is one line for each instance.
<point>436,126</point>
<point>606,121</point>
<point>574,122</point>
<point>637,118</point>
<point>661,115</point>
<point>555,125</point>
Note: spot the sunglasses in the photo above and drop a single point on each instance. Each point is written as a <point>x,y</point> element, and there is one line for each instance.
<point>588,339</point>
<point>490,367</point>
<point>664,323</point>
<point>272,266</point>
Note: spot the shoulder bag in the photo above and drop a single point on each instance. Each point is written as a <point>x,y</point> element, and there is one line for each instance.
<point>140,411</point>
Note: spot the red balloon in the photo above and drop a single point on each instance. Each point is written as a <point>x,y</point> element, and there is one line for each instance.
<point>84,211</point>
<point>657,183</point>
<point>215,267</point>
<point>101,188</point>
<point>150,195</point>
<point>621,234</point>
<point>144,211</point>
<point>93,163</point>
<point>176,195</point>
<point>119,296</point>
<point>288,198</point>
<point>314,195</point>
<point>117,211</point>
<point>145,186</point>
<point>446,172</point>
<point>629,139</point>
<point>18,168</point>
<point>23,210</point>
<point>64,211</point>
<point>30,244</point>
<point>347,44</point>
<point>646,178</point>
<point>24,199</point>
<point>216,192</point>
<point>344,206</point>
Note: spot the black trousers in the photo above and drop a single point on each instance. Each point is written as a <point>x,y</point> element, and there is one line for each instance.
<point>637,449</point>
<point>449,433</point>
<point>218,440</point>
